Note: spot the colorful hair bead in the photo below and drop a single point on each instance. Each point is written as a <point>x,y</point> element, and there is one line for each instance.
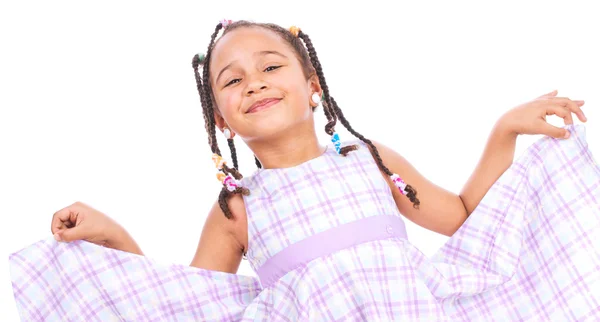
<point>225,23</point>
<point>295,31</point>
<point>335,138</point>
<point>228,180</point>
<point>230,183</point>
<point>399,183</point>
<point>201,57</point>
<point>218,160</point>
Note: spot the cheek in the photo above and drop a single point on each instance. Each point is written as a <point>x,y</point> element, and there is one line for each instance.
<point>295,91</point>
<point>228,105</point>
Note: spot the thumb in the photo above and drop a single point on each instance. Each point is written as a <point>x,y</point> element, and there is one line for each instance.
<point>69,234</point>
<point>553,131</point>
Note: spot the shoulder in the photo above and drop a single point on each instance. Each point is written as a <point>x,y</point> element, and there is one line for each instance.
<point>222,241</point>
<point>236,226</point>
<point>376,150</point>
<point>438,206</point>
<point>390,162</point>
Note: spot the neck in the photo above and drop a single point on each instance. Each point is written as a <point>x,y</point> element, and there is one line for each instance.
<point>289,150</point>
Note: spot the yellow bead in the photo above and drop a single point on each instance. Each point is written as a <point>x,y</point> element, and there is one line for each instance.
<point>295,31</point>
<point>218,160</point>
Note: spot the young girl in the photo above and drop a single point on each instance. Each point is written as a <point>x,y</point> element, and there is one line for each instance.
<point>322,225</point>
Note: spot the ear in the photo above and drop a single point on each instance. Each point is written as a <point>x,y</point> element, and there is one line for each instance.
<point>314,87</point>
<point>221,124</point>
<point>219,121</point>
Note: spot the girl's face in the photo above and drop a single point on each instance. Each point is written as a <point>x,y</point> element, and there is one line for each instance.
<point>259,85</point>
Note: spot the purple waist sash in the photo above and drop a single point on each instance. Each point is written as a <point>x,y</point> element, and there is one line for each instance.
<point>329,241</point>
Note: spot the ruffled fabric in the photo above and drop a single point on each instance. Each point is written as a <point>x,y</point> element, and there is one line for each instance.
<point>529,252</point>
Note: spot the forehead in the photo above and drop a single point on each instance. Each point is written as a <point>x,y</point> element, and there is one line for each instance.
<point>244,42</point>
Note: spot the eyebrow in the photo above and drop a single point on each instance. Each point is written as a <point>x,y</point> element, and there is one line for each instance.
<point>258,53</point>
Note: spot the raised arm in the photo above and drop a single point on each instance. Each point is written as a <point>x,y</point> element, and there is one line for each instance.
<point>443,211</point>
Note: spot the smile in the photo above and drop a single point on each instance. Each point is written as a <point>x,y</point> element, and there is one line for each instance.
<point>263,105</point>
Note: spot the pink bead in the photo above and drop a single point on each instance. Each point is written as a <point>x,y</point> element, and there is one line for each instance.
<point>399,183</point>
<point>225,22</point>
<point>230,183</point>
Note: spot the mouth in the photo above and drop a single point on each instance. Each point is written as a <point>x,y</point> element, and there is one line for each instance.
<point>263,104</point>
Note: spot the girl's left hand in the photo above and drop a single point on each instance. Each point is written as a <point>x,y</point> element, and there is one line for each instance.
<point>530,117</point>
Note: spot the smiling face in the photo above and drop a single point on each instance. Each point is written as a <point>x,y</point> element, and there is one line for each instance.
<point>260,87</point>
<point>258,81</point>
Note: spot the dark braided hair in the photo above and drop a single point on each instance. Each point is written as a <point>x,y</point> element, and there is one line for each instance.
<point>307,56</point>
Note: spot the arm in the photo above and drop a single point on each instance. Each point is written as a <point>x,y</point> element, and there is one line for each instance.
<point>123,241</point>
<point>497,157</point>
<point>441,210</point>
<point>220,247</point>
<point>79,221</point>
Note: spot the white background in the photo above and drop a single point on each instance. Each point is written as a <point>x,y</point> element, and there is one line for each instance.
<point>99,104</point>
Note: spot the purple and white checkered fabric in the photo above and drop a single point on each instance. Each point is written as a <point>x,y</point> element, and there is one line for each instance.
<point>81,281</point>
<point>529,252</point>
<point>288,205</point>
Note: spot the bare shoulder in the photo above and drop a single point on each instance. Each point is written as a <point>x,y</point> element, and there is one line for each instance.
<point>223,241</point>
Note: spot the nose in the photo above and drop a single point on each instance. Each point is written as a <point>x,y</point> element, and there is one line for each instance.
<point>256,86</point>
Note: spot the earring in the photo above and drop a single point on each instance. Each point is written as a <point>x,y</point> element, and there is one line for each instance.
<point>316,98</point>
<point>227,133</point>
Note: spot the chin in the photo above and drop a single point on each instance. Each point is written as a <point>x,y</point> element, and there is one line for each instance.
<point>275,122</point>
<point>271,129</point>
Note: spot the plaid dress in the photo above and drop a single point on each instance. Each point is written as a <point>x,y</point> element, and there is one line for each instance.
<point>329,244</point>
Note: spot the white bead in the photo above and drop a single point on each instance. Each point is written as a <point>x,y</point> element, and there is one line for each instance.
<point>316,98</point>
<point>227,133</point>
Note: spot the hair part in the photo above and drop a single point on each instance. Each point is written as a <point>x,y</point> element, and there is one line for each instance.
<point>307,55</point>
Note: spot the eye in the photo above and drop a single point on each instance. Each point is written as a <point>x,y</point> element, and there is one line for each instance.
<point>270,68</point>
<point>233,81</point>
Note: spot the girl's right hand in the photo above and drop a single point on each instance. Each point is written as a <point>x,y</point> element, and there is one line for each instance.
<point>81,222</point>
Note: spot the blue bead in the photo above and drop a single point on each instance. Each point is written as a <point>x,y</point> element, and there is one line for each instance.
<point>335,138</point>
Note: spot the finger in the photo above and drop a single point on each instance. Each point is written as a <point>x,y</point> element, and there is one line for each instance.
<point>66,217</point>
<point>551,94</point>
<point>573,106</point>
<point>58,235</point>
<point>553,131</point>
<point>70,234</point>
<point>561,112</point>
<point>59,218</point>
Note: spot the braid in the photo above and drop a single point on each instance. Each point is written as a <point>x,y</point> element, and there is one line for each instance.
<point>208,110</point>
<point>328,101</point>
<point>411,193</point>
<point>224,196</point>
<point>312,53</point>
<point>208,92</point>
<point>258,165</point>
<point>196,61</point>
<point>334,110</point>
<point>233,154</point>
